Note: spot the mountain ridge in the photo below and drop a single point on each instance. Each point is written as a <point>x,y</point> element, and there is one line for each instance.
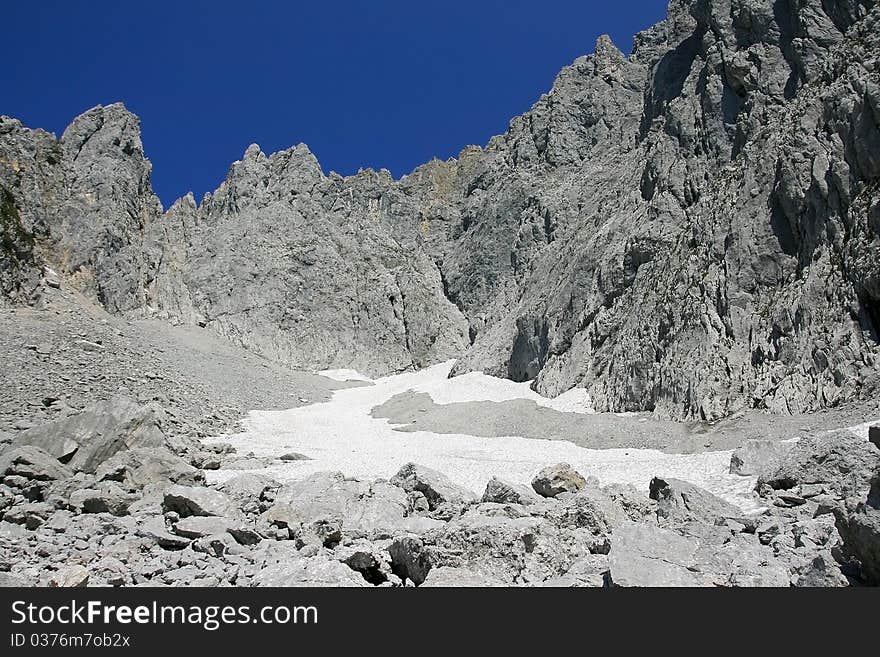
<point>691,230</point>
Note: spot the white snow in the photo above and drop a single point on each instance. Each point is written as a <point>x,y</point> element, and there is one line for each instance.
<point>342,435</point>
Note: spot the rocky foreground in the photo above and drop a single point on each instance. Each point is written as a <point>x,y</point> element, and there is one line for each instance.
<point>111,496</point>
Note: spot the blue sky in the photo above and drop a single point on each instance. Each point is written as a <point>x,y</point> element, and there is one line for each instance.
<point>381,84</point>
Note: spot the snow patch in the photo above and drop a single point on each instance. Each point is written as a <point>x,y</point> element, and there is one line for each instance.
<point>342,435</point>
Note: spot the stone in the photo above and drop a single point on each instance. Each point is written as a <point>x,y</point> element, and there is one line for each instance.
<point>8,580</point>
<point>198,501</point>
<point>141,467</point>
<point>448,577</point>
<point>841,461</point>
<point>365,509</point>
<point>70,577</point>
<point>589,571</point>
<point>502,492</point>
<point>199,526</point>
<point>85,440</point>
<point>32,463</point>
<point>646,555</point>
<point>860,532</point>
<point>556,479</point>
<point>154,529</point>
<point>756,456</point>
<point>874,435</point>
<point>436,487</point>
<point>248,486</point>
<point>681,500</point>
<point>315,571</point>
<point>409,559</point>
<point>107,497</point>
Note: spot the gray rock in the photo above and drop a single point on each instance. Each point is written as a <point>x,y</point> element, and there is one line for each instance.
<point>448,577</point>
<point>248,486</point>
<point>316,571</point>
<point>142,466</point>
<point>436,487</point>
<point>757,456</point>
<point>556,479</point>
<point>680,500</point>
<point>198,501</point>
<point>32,463</point>
<point>199,526</point>
<point>70,577</point>
<point>89,438</point>
<point>860,532</point>
<point>8,580</point>
<point>590,571</point>
<point>363,509</point>
<point>107,497</point>
<point>646,555</point>
<point>874,435</point>
<point>154,529</point>
<point>502,492</point>
<point>842,462</point>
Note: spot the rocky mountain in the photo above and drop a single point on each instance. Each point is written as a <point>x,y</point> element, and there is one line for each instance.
<point>690,230</point>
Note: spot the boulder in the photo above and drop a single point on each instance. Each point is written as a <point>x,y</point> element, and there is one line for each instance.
<point>199,526</point>
<point>681,500</point>
<point>32,463</point>
<point>436,487</point>
<point>589,571</point>
<point>371,561</point>
<point>502,492</point>
<point>8,580</point>
<point>756,456</point>
<point>73,576</point>
<point>364,509</point>
<point>106,497</point>
<point>841,461</point>
<point>154,529</point>
<point>409,559</point>
<point>142,466</point>
<point>556,479</point>
<point>87,439</point>
<point>449,577</point>
<point>874,435</point>
<point>860,532</point>
<point>198,501</point>
<point>315,571</point>
<point>646,555</point>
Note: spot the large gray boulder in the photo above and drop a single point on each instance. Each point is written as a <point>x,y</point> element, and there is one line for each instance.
<point>502,492</point>
<point>198,501</point>
<point>143,466</point>
<point>860,532</point>
<point>435,486</point>
<point>646,555</point>
<point>85,440</point>
<point>448,577</point>
<point>757,456</point>
<point>682,501</point>
<point>371,509</point>
<point>556,479</point>
<point>315,571</point>
<point>841,461</point>
<point>32,463</point>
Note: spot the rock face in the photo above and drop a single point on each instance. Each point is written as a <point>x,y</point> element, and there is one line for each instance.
<point>722,179</point>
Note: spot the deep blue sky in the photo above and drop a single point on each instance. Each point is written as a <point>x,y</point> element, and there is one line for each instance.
<point>387,83</point>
